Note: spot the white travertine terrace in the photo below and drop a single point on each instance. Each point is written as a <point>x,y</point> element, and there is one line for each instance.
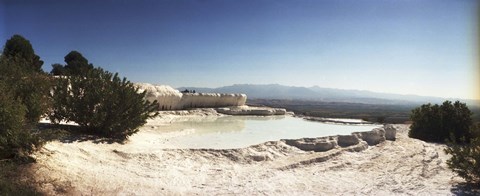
<point>169,98</point>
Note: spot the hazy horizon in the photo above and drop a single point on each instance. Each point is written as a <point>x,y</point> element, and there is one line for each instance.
<point>426,48</point>
<point>347,89</point>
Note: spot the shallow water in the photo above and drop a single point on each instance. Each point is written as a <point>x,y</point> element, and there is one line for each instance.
<point>242,131</point>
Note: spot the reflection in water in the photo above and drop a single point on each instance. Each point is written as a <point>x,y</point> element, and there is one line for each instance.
<point>242,131</point>
<point>212,125</point>
<point>223,124</point>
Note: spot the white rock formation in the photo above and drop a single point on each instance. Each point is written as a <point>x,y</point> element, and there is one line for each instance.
<point>347,140</point>
<point>320,144</point>
<point>211,100</point>
<point>390,132</point>
<point>169,98</point>
<point>249,110</point>
<point>359,139</point>
<point>372,137</point>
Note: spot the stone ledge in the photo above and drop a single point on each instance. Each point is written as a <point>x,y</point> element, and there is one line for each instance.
<point>322,144</point>
<point>249,110</point>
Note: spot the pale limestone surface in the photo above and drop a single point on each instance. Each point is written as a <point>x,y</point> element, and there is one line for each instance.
<point>390,132</point>
<point>166,96</point>
<point>374,137</point>
<point>405,166</point>
<point>250,110</point>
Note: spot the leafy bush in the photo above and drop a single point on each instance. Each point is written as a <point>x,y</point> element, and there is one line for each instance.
<point>34,92</point>
<point>437,122</point>
<point>31,88</point>
<point>465,160</point>
<point>102,103</point>
<point>15,140</point>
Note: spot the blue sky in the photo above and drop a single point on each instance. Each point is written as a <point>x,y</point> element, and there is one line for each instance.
<point>424,47</point>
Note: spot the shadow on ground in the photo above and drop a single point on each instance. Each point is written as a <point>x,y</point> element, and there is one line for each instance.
<point>465,189</point>
<point>72,133</point>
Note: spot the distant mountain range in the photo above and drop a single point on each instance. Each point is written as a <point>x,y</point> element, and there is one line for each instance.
<point>316,93</point>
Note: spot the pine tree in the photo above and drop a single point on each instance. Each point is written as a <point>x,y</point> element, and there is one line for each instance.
<point>76,65</point>
<point>17,47</point>
<point>102,103</point>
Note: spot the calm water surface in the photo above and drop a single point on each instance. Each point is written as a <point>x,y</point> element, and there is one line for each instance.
<point>242,131</point>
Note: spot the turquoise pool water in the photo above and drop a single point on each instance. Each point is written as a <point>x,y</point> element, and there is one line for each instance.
<point>242,131</point>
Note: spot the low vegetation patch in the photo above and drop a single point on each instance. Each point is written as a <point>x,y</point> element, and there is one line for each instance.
<point>436,123</point>
<point>465,160</point>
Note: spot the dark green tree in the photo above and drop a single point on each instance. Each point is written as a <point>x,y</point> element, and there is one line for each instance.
<point>31,87</point>
<point>58,70</point>
<point>437,122</point>
<point>102,103</point>
<point>76,64</point>
<point>24,97</point>
<point>19,48</point>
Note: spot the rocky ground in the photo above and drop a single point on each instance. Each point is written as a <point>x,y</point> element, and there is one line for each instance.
<point>405,166</point>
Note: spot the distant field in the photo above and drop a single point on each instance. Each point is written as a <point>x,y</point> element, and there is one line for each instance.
<point>370,112</point>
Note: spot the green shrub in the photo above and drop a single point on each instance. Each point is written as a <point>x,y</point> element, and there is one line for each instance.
<point>33,91</point>
<point>15,140</point>
<point>465,160</point>
<point>102,103</point>
<point>437,122</point>
<point>31,88</point>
